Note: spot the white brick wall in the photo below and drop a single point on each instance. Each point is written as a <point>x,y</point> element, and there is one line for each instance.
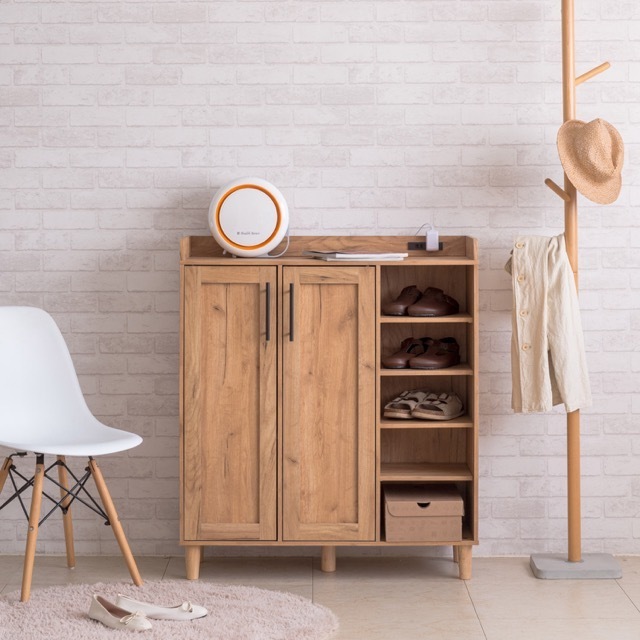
<point>119,120</point>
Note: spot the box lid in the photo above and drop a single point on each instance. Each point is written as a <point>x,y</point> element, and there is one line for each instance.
<point>423,501</point>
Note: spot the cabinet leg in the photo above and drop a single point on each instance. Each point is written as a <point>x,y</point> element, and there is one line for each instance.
<point>328,559</point>
<point>464,562</point>
<point>456,555</point>
<point>192,558</point>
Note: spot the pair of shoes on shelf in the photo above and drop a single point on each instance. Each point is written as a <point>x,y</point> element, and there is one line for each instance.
<point>432,302</point>
<point>425,405</point>
<point>424,353</point>
<point>134,615</point>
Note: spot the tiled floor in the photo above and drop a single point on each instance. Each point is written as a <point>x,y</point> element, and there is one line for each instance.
<point>404,598</point>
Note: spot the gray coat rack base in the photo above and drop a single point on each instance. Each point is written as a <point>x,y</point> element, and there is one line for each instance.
<point>594,566</point>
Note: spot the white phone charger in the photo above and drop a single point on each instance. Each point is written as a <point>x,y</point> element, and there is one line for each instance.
<point>432,240</point>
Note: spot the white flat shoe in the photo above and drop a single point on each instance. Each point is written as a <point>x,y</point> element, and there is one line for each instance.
<point>113,616</point>
<point>184,611</point>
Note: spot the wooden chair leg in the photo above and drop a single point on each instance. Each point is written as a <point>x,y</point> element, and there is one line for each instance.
<point>4,471</point>
<point>115,522</point>
<point>32,534</point>
<point>66,514</point>
<point>456,555</point>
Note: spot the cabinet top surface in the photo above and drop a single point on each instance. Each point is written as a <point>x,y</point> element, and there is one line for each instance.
<point>456,250</point>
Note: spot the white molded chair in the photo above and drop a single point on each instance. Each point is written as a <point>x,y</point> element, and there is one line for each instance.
<point>42,410</point>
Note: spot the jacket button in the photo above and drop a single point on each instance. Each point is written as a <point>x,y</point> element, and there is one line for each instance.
<point>519,245</point>
<point>526,347</point>
<point>520,278</point>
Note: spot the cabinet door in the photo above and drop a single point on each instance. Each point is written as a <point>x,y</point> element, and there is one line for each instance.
<point>229,403</point>
<point>328,403</point>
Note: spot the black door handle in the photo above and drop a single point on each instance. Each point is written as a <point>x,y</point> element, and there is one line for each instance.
<point>268,305</point>
<point>291,312</point>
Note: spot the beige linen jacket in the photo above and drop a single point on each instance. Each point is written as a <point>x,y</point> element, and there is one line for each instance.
<point>548,362</point>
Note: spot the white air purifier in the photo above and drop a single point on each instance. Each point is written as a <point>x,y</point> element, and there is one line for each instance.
<point>248,217</point>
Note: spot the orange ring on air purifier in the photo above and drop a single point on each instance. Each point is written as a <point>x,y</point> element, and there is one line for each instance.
<point>244,246</point>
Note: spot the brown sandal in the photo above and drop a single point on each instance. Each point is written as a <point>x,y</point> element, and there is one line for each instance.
<point>440,354</point>
<point>399,306</point>
<point>433,303</point>
<point>409,349</point>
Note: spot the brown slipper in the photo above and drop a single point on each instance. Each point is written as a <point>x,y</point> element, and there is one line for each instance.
<point>410,348</point>
<point>440,354</point>
<point>399,306</point>
<point>433,303</point>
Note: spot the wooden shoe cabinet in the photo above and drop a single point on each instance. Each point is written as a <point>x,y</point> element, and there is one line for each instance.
<point>282,434</point>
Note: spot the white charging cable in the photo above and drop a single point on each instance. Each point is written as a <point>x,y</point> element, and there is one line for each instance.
<point>286,248</point>
<point>431,239</point>
<point>277,255</point>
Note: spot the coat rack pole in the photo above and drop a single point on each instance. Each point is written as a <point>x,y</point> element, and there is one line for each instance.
<point>571,242</point>
<point>572,566</point>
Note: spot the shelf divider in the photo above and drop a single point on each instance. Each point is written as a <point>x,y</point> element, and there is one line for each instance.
<point>424,472</point>
<point>463,422</point>
<point>457,318</point>
<point>457,370</point>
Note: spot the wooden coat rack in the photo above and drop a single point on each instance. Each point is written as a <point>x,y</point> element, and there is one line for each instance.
<point>574,565</point>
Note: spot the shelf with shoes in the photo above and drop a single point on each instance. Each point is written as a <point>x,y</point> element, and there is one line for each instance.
<point>427,418</point>
<point>393,417</point>
<point>417,348</point>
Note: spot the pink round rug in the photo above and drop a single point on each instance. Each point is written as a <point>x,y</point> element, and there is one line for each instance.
<point>235,613</point>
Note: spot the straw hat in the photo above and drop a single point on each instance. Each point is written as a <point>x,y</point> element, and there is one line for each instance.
<point>592,154</point>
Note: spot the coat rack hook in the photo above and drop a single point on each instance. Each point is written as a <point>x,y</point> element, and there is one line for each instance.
<point>594,72</point>
<point>557,190</point>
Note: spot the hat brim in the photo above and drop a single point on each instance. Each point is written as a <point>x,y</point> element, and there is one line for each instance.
<point>601,192</point>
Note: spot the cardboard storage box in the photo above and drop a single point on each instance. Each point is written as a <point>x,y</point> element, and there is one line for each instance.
<point>423,513</point>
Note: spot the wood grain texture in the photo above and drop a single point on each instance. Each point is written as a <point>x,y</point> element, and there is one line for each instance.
<point>424,446</point>
<point>230,405</point>
<point>330,390</point>
<point>455,251</point>
<point>328,405</point>
<point>424,472</point>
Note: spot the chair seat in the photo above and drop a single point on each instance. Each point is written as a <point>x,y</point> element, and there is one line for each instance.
<point>96,441</point>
